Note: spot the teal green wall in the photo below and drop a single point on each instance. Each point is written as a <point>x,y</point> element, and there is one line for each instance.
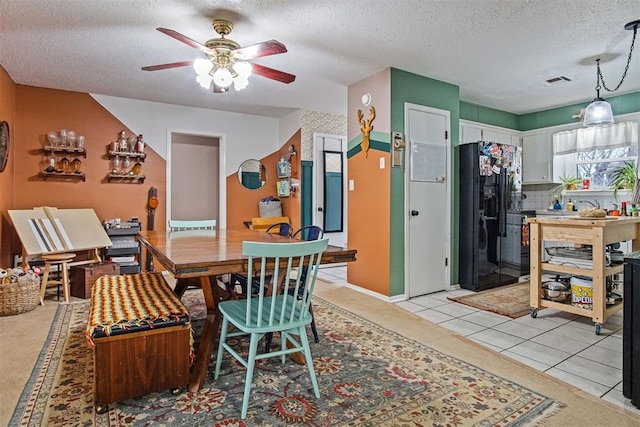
<point>415,89</point>
<point>621,104</point>
<point>377,141</point>
<point>489,116</point>
<point>306,190</point>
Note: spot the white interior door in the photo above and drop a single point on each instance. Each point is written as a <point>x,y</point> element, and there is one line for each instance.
<point>427,202</point>
<point>330,186</point>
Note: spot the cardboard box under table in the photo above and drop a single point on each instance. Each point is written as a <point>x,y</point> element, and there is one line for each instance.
<point>141,334</point>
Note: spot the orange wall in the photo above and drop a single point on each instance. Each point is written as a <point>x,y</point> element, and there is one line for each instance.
<point>369,202</point>
<point>242,204</point>
<point>7,113</point>
<point>369,221</point>
<point>32,112</point>
<point>40,110</point>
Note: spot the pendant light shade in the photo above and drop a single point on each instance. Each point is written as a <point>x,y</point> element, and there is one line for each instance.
<point>598,113</point>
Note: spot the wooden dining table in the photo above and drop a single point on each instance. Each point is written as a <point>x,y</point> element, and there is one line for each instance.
<point>203,255</point>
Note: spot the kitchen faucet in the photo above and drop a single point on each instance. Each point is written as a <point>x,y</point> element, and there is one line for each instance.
<point>595,205</point>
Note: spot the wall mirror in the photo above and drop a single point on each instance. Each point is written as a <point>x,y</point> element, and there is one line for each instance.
<point>252,174</point>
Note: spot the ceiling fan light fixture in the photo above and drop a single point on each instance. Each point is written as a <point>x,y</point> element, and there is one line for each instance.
<point>205,80</point>
<point>240,83</point>
<point>243,69</point>
<point>202,66</point>
<point>222,77</point>
<point>598,113</point>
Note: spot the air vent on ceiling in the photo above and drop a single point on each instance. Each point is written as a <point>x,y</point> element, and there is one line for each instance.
<point>557,80</point>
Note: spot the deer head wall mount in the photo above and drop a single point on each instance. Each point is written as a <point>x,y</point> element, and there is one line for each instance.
<point>366,126</point>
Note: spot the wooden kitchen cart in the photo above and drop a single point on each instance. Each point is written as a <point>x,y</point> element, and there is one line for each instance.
<point>597,232</point>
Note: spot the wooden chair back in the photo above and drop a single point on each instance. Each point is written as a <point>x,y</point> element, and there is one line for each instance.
<point>267,260</point>
<point>200,224</point>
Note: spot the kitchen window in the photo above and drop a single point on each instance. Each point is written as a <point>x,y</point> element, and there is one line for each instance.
<point>596,152</point>
<point>601,165</point>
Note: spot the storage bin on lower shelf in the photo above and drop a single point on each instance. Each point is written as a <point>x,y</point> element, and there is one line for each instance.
<point>582,293</point>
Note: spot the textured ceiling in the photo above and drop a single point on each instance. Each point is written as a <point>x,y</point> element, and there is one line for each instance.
<point>499,52</point>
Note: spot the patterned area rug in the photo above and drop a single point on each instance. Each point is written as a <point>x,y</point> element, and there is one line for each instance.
<point>511,300</point>
<point>368,376</point>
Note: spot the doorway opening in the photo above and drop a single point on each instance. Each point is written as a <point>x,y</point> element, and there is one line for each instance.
<point>196,177</point>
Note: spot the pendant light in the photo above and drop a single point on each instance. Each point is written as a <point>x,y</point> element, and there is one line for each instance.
<point>599,111</point>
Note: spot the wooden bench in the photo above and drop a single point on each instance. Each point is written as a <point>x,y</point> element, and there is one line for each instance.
<point>142,338</point>
<point>261,224</point>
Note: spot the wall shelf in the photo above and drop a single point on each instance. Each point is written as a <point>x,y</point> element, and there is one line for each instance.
<point>131,154</point>
<point>139,179</point>
<point>65,150</point>
<point>70,175</point>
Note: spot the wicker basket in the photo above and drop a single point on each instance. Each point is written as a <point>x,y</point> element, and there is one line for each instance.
<point>19,296</point>
<point>269,208</point>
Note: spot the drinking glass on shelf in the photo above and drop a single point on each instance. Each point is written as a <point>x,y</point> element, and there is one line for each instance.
<point>52,138</point>
<point>63,137</point>
<point>71,138</point>
<point>127,162</point>
<point>116,162</point>
<point>80,141</point>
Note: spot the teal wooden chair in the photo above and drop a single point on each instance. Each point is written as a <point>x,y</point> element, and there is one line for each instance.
<point>271,310</point>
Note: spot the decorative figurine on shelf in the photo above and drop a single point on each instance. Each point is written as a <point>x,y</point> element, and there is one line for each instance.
<point>140,145</point>
<point>64,164</point>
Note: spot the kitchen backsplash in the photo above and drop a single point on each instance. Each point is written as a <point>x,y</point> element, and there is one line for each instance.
<point>538,197</point>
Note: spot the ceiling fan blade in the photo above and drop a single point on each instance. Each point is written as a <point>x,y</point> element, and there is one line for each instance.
<point>270,73</point>
<point>186,40</point>
<point>270,47</point>
<point>165,66</point>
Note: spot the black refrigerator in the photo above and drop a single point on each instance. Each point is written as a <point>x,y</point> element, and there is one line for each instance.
<point>493,233</point>
<point>631,329</point>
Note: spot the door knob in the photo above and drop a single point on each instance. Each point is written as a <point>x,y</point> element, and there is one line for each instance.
<point>320,209</point>
<point>414,213</point>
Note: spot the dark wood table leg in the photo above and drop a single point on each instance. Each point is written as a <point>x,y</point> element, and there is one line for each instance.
<point>210,334</point>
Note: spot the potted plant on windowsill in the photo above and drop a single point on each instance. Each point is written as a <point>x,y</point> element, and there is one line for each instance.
<point>567,182</point>
<point>624,178</point>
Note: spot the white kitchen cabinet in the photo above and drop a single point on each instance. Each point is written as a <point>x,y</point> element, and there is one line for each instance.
<point>472,132</point>
<point>537,159</point>
<point>469,133</point>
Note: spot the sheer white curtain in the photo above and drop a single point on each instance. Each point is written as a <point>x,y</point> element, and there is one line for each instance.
<point>566,145</point>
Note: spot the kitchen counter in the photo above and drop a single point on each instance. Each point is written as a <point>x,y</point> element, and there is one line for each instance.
<point>597,232</point>
<point>546,212</point>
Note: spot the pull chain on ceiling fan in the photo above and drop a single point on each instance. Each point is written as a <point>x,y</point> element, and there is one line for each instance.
<point>226,62</point>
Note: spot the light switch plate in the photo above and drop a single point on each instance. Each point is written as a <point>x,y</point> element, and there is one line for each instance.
<point>381,162</point>
<point>352,185</point>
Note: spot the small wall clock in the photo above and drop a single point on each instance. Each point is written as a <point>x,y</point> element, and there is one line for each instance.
<point>4,144</point>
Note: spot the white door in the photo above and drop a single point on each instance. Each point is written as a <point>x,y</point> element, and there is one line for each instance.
<point>330,186</point>
<point>427,199</point>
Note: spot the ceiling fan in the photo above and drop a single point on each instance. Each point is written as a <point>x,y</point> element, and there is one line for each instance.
<point>226,61</point>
